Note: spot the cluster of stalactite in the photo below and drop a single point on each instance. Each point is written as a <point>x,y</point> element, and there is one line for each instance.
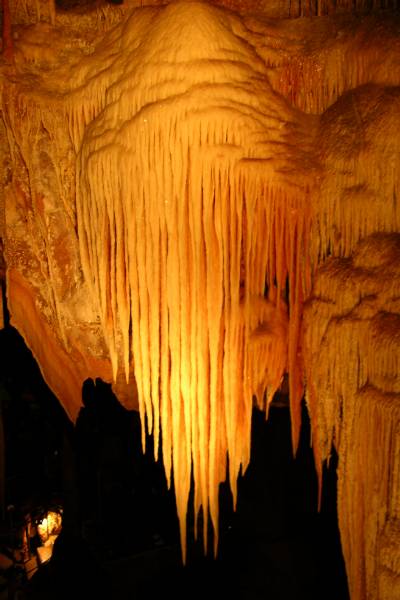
<point>352,350</point>
<point>352,329</point>
<point>191,211</point>
<point>309,8</point>
<point>199,168</point>
<point>49,10</point>
<point>196,219</point>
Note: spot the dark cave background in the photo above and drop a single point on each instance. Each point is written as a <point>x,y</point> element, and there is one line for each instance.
<point>120,535</point>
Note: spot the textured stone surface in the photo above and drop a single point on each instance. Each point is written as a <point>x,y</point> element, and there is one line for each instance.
<point>287,128</point>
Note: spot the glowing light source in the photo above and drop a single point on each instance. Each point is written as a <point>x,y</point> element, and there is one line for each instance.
<point>49,526</point>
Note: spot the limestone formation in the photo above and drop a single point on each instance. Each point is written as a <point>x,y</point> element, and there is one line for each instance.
<point>179,181</point>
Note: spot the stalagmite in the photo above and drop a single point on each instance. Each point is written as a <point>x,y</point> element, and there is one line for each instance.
<point>178,181</point>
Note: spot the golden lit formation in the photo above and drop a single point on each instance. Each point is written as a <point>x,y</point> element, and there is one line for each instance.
<point>187,211</point>
<point>186,180</point>
<point>352,345</point>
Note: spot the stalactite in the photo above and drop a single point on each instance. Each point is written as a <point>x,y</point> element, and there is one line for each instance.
<point>184,203</point>
<point>358,195</point>
<point>312,78</point>
<point>368,462</point>
<point>352,350</point>
<point>206,187</point>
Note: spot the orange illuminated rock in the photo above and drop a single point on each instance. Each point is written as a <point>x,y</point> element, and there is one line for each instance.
<point>352,357</point>
<point>174,176</point>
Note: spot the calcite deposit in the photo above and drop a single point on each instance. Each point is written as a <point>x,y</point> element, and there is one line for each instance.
<point>197,199</point>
